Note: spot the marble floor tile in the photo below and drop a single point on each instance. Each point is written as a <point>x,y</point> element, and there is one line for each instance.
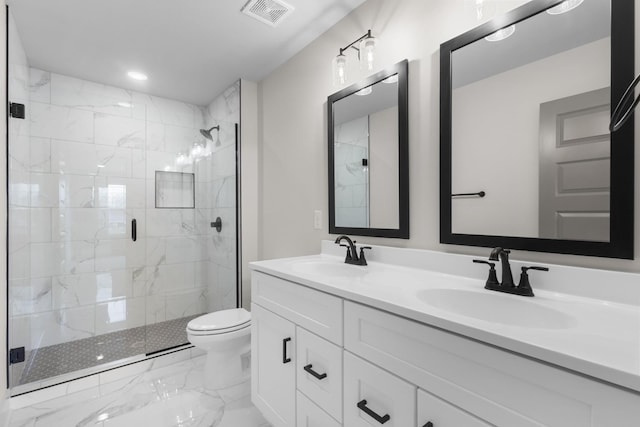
<point>170,396</point>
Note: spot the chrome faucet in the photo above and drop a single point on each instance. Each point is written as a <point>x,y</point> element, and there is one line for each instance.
<point>503,254</point>
<point>352,252</point>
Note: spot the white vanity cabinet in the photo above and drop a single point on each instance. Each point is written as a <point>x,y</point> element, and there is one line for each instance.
<point>373,397</point>
<point>435,412</point>
<point>296,343</point>
<point>384,369</point>
<point>490,385</point>
<point>273,385</point>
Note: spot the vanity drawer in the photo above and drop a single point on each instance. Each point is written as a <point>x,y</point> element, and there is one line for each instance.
<point>315,311</point>
<point>442,414</point>
<point>370,393</point>
<point>501,387</point>
<point>309,415</point>
<point>319,376</point>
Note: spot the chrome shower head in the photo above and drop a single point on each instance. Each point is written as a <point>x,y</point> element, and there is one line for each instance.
<point>207,132</point>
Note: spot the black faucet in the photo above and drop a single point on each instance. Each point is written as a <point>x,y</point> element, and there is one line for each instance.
<point>352,252</point>
<point>507,285</point>
<point>503,254</point>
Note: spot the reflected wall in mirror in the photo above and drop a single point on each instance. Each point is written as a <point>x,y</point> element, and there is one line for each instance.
<point>368,156</point>
<point>525,107</point>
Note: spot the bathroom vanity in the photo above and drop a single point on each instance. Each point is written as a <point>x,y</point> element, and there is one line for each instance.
<point>413,339</point>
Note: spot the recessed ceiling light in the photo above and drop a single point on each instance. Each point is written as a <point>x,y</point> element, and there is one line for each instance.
<point>391,79</point>
<point>564,7</point>
<point>136,75</point>
<point>364,92</point>
<point>125,104</point>
<point>501,34</point>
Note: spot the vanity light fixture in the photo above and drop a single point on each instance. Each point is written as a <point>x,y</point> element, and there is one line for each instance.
<point>125,104</point>
<point>137,75</point>
<point>564,7</point>
<point>340,70</point>
<point>479,11</point>
<point>366,55</point>
<point>501,34</point>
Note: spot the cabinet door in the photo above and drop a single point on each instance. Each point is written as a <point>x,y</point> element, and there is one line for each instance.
<point>435,412</point>
<point>319,364</point>
<point>309,415</point>
<point>373,397</point>
<point>273,375</point>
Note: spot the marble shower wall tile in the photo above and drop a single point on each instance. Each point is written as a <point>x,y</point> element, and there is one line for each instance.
<point>186,249</point>
<point>40,224</point>
<point>39,155</point>
<point>53,121</point>
<point>85,95</point>
<point>115,254</point>
<point>62,326</point>
<point>28,296</point>
<point>52,259</point>
<point>167,111</point>
<point>119,314</point>
<point>225,107</point>
<point>120,131</point>
<point>171,277</point>
<point>86,289</point>
<point>39,86</point>
<point>185,304</point>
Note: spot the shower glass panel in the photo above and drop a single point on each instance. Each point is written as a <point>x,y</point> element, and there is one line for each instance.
<point>98,275</point>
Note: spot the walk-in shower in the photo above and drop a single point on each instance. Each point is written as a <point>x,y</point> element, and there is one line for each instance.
<point>112,193</point>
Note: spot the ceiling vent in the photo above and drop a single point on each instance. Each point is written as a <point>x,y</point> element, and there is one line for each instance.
<point>271,12</point>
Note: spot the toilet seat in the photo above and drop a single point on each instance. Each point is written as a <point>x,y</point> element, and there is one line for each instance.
<point>220,322</point>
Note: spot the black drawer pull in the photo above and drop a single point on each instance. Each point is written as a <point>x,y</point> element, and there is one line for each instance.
<point>362,405</point>
<point>429,424</point>
<point>309,369</point>
<point>285,359</point>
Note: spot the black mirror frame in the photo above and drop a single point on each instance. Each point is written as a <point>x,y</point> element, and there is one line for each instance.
<point>622,142</point>
<point>402,232</point>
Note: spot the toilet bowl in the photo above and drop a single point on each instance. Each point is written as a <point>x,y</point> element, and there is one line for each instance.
<point>226,337</point>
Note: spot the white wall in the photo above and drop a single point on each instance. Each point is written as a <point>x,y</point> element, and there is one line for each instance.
<point>294,136</point>
<point>249,183</point>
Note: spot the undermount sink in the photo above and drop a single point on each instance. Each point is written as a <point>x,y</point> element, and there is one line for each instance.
<point>490,306</point>
<point>329,269</point>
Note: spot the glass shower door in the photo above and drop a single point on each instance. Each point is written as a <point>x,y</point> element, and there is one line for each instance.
<point>77,159</point>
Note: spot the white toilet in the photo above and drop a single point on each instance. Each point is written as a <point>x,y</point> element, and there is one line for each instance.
<point>226,337</point>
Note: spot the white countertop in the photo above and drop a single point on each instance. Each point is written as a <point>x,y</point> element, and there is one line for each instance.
<point>595,337</point>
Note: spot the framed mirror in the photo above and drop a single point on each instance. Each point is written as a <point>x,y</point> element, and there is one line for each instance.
<point>368,136</point>
<point>527,159</point>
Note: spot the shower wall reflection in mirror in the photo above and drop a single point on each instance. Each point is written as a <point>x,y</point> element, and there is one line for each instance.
<point>85,293</point>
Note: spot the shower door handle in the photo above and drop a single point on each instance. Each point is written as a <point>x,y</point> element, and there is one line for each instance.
<point>134,230</point>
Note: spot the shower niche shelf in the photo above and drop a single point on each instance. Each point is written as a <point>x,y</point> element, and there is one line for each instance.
<point>175,190</point>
